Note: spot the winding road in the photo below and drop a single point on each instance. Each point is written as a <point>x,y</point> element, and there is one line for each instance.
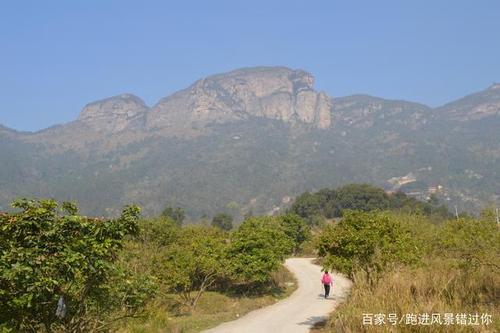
<point>297,313</point>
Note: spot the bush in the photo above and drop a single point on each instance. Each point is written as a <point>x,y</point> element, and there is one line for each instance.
<point>471,243</point>
<point>160,231</point>
<point>257,249</point>
<point>55,259</point>
<point>177,214</point>
<point>296,230</point>
<point>368,241</point>
<point>193,263</point>
<point>223,221</point>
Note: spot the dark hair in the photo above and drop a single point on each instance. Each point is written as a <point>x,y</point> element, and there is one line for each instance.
<point>326,271</point>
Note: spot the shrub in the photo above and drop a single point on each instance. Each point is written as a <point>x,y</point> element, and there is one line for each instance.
<point>472,243</point>
<point>369,241</point>
<point>193,263</point>
<point>52,259</point>
<point>160,231</point>
<point>296,230</point>
<point>223,221</point>
<point>257,249</point>
<point>177,214</point>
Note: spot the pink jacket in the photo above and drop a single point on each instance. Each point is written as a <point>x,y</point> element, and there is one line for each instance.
<point>326,279</point>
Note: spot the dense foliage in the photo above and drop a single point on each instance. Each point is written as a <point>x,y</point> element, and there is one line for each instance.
<point>53,259</point>
<point>66,272</point>
<point>177,214</point>
<point>193,263</point>
<point>331,203</point>
<point>368,241</point>
<point>296,229</point>
<point>257,248</point>
<point>189,260</point>
<point>473,243</point>
<point>223,221</point>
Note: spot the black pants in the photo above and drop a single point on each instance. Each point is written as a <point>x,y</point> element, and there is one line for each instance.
<point>327,290</point>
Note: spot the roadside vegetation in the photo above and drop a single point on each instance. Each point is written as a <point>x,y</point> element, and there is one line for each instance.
<point>407,266</point>
<point>60,271</point>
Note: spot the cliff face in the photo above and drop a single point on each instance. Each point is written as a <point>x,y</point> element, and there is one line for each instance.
<point>269,92</point>
<point>277,93</point>
<point>115,114</point>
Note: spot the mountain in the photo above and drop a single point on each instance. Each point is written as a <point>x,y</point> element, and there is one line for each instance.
<point>250,140</point>
<point>272,93</point>
<point>481,105</point>
<point>115,114</point>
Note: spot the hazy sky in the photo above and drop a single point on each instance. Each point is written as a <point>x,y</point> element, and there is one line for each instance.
<point>56,56</point>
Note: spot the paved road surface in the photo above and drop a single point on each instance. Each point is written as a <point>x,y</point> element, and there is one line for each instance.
<point>297,313</point>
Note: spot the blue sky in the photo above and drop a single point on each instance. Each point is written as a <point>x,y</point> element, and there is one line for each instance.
<point>56,56</point>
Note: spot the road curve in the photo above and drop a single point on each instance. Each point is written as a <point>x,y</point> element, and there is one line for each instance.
<point>297,313</point>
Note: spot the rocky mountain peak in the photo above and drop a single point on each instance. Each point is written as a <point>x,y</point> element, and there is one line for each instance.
<point>271,92</point>
<point>495,86</point>
<point>5,130</point>
<point>114,114</point>
<point>476,106</point>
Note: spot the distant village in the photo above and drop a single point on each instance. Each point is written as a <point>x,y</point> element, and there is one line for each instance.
<point>425,194</point>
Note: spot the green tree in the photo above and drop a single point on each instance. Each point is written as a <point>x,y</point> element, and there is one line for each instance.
<point>296,229</point>
<point>307,205</point>
<point>177,214</point>
<point>258,247</point>
<point>369,241</point>
<point>362,197</point>
<point>50,256</point>
<point>329,203</point>
<point>223,221</point>
<point>193,263</point>
<point>160,231</point>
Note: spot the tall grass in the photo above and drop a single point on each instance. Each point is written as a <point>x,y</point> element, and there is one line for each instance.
<point>436,287</point>
<point>458,274</point>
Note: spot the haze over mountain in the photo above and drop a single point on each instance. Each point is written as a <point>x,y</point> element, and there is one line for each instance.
<point>251,139</point>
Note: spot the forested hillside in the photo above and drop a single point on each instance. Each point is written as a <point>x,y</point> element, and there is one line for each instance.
<point>249,141</point>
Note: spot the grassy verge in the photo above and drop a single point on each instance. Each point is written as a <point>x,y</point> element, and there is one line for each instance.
<point>436,287</point>
<point>165,314</point>
<point>455,278</point>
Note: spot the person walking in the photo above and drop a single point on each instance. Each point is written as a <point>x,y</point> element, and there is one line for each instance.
<point>327,282</point>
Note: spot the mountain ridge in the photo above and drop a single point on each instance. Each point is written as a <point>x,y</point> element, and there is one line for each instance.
<point>251,139</point>
<point>147,109</point>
